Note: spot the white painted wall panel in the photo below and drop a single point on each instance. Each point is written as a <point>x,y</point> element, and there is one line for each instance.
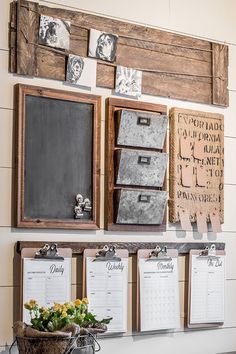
<point>230,220</point>
<point>6,319</point>
<point>174,15</point>
<point>4,20</point>
<point>213,19</point>
<point>229,113</point>
<point>156,11</point>
<point>6,130</point>
<point>231,73</point>
<point>210,19</point>
<point>205,342</point>
<point>230,165</point>
<point>5,193</point>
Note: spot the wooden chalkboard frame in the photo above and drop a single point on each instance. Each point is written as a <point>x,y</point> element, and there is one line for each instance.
<point>113,105</point>
<point>21,91</point>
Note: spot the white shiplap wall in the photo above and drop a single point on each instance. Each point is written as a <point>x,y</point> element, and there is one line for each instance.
<point>209,19</point>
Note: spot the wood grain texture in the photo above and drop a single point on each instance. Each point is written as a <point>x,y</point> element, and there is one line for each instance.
<point>112,105</point>
<point>173,65</point>
<point>146,59</point>
<point>50,64</point>
<point>27,36</point>
<point>181,87</point>
<point>21,91</point>
<point>126,29</point>
<point>132,247</point>
<point>12,37</point>
<point>220,79</point>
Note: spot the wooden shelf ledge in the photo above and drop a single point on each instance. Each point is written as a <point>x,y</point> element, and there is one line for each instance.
<point>78,247</point>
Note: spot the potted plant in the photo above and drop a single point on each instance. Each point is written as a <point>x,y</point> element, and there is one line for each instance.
<point>57,329</point>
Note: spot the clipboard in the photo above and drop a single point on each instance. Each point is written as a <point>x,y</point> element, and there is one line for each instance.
<point>207,253</point>
<point>111,255</point>
<point>157,255</point>
<point>47,253</point>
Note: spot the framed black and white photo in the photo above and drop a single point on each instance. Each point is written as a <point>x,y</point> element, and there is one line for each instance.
<point>128,81</point>
<point>81,71</point>
<point>102,45</point>
<point>54,32</point>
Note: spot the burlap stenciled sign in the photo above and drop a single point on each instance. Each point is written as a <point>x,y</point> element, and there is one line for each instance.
<point>196,164</point>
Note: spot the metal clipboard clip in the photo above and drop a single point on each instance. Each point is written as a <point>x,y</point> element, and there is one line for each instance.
<point>159,254</point>
<point>48,252</point>
<point>107,253</point>
<point>208,252</point>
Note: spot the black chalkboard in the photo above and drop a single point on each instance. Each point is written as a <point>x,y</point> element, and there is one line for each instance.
<point>58,156</point>
<point>58,161</point>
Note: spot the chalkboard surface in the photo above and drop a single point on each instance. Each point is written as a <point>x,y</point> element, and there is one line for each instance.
<point>58,157</point>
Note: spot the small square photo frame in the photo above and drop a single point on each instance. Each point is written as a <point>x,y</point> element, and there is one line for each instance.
<point>102,45</point>
<point>81,71</point>
<point>128,82</point>
<point>54,32</point>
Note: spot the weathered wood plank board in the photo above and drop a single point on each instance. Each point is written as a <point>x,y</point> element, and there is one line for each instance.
<point>132,247</point>
<point>181,87</point>
<point>173,65</point>
<point>220,81</point>
<point>27,36</point>
<point>12,38</point>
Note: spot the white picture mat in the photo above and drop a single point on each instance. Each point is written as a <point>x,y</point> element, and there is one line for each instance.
<point>89,74</point>
<point>128,81</point>
<point>94,36</point>
<point>61,32</point>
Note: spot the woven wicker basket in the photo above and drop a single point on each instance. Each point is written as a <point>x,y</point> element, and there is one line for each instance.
<point>57,345</point>
<point>43,345</point>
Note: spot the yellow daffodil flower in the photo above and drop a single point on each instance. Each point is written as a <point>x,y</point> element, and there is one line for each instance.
<point>78,302</point>
<point>85,301</point>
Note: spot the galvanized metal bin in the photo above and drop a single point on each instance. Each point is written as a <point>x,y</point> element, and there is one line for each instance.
<point>141,129</point>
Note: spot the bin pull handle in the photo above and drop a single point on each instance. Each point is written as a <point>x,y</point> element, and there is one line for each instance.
<point>143,198</point>
<point>143,121</point>
<point>144,160</point>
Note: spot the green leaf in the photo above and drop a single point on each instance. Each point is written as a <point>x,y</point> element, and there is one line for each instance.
<point>106,320</point>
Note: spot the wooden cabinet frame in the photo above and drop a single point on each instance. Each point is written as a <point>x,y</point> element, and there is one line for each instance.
<point>112,105</point>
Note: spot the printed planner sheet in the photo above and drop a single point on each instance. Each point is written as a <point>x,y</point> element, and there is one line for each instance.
<point>159,295</point>
<point>107,291</point>
<point>46,281</point>
<point>207,289</point>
